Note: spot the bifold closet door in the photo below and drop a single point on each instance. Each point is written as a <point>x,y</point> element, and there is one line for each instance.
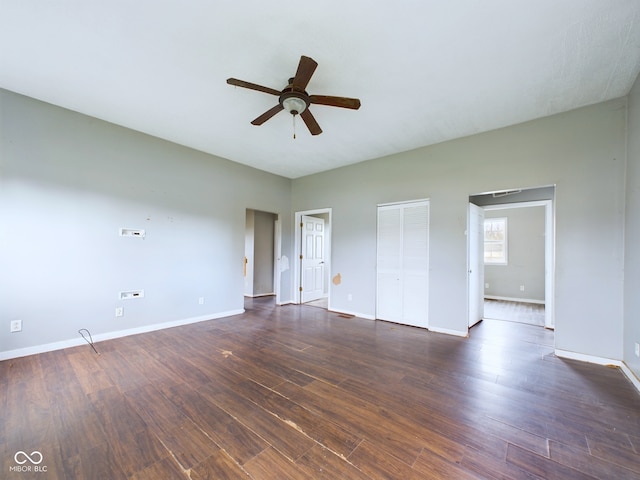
<point>403,263</point>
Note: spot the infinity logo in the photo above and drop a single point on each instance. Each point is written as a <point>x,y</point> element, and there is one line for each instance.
<point>31,458</point>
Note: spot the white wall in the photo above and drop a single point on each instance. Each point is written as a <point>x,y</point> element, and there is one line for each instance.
<point>581,152</point>
<point>69,182</point>
<point>632,240</point>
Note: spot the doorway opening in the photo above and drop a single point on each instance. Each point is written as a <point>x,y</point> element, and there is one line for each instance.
<point>262,247</point>
<point>313,257</point>
<point>511,266</point>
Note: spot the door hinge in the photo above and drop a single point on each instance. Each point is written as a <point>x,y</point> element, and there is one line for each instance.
<point>300,257</point>
<point>301,224</point>
<point>300,288</point>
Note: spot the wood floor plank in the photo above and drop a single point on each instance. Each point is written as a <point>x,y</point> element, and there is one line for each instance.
<point>188,444</point>
<point>584,462</point>
<point>356,416</point>
<point>272,465</point>
<point>165,469</point>
<point>542,466</point>
<point>377,463</point>
<point>218,466</point>
<point>321,429</point>
<point>432,466</point>
<point>617,450</point>
<point>228,433</point>
<point>320,463</point>
<point>488,466</point>
<point>89,370</point>
<point>281,435</point>
<point>155,409</point>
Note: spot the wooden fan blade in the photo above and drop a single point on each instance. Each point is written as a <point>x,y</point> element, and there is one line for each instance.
<point>267,115</point>
<point>252,86</point>
<point>311,123</point>
<point>306,67</point>
<point>342,102</point>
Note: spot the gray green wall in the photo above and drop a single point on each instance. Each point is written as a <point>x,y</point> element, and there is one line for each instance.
<point>68,183</point>
<point>581,152</point>
<point>525,258</point>
<point>632,239</point>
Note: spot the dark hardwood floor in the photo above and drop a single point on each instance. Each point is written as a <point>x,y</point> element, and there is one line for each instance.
<point>297,392</point>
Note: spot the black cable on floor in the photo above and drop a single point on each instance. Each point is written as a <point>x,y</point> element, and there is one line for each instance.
<point>89,340</point>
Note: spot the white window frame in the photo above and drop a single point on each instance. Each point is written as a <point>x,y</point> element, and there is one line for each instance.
<point>504,242</point>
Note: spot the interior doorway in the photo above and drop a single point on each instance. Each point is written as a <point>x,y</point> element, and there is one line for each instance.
<point>526,295</point>
<point>262,254</point>
<point>313,253</point>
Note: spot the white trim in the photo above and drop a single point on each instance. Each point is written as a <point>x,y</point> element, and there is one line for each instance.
<point>601,361</point>
<point>74,342</point>
<point>508,206</point>
<point>514,299</point>
<point>587,358</point>
<point>297,241</point>
<point>355,314</point>
<point>404,202</point>
<point>447,331</point>
<point>630,375</point>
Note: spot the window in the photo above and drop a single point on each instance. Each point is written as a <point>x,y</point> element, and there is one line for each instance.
<point>495,241</point>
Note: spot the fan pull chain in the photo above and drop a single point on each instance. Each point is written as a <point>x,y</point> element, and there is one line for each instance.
<point>294,126</point>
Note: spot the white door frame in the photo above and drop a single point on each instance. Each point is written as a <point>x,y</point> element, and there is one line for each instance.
<point>549,253</point>
<point>297,296</point>
<point>277,252</point>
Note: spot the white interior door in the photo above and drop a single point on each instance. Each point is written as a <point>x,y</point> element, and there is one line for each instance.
<point>475,232</point>
<point>312,261</point>
<point>403,263</point>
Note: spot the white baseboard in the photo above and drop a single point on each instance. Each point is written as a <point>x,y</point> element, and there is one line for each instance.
<point>630,375</point>
<point>74,342</point>
<point>601,361</point>
<point>514,299</point>
<point>587,358</point>
<point>457,333</point>
<point>354,314</point>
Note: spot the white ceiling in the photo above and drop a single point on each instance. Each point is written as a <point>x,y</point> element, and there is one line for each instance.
<point>426,71</point>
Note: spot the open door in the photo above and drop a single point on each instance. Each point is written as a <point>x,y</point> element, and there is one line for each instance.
<point>475,256</point>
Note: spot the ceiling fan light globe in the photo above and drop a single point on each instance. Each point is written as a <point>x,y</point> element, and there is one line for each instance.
<point>294,105</point>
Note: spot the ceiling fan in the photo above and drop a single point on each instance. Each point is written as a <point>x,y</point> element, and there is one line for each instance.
<point>295,100</point>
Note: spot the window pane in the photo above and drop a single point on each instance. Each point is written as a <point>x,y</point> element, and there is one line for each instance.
<point>495,240</point>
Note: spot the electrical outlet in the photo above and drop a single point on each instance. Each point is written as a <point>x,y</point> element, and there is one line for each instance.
<point>201,301</point>
<point>349,297</point>
<point>522,288</point>
<point>637,349</point>
<point>119,311</point>
<point>486,285</point>
<point>16,326</point>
